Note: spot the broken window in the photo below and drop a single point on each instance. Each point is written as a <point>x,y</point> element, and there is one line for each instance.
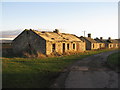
<point>93,45</point>
<point>73,46</point>
<point>110,45</point>
<point>29,45</point>
<point>116,45</point>
<point>53,38</point>
<point>68,46</point>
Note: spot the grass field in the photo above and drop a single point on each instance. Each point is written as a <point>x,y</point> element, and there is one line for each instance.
<point>113,60</point>
<point>37,73</point>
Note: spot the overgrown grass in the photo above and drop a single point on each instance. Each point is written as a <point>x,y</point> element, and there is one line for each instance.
<point>37,73</point>
<point>113,60</point>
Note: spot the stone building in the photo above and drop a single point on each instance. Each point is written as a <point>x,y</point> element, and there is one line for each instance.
<point>33,41</point>
<point>118,42</point>
<point>112,43</point>
<point>91,44</point>
<point>101,43</point>
<point>6,47</point>
<point>108,43</point>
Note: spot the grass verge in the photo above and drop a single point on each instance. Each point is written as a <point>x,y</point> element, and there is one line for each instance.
<point>37,72</point>
<point>113,60</point>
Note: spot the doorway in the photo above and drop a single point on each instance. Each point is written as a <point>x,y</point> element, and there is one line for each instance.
<point>63,47</point>
<point>53,47</point>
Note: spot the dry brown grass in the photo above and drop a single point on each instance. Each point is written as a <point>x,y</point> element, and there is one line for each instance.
<point>40,55</point>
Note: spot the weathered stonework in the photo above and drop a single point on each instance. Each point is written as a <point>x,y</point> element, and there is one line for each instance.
<point>91,44</point>
<point>33,42</point>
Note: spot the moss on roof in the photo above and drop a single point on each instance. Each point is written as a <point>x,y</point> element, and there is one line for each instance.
<point>53,36</point>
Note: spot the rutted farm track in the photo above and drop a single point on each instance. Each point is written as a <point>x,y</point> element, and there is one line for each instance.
<point>90,72</point>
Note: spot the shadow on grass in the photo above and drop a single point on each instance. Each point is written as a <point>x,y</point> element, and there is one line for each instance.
<point>37,72</point>
<point>28,80</point>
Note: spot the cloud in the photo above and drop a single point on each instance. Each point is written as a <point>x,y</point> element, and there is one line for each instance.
<point>10,34</point>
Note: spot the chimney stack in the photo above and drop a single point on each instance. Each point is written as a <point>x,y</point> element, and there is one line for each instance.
<point>56,31</point>
<point>89,35</point>
<point>101,38</point>
<point>109,38</point>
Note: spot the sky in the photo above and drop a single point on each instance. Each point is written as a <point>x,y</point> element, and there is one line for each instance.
<point>98,18</point>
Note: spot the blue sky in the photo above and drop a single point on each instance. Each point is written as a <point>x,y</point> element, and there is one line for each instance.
<point>98,18</point>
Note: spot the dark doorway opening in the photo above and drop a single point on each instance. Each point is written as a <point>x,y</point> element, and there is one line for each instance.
<point>68,46</point>
<point>73,46</point>
<point>53,47</point>
<point>63,47</point>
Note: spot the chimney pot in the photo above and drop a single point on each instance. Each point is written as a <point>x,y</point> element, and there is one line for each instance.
<point>109,38</point>
<point>56,31</point>
<point>89,35</point>
<point>101,38</point>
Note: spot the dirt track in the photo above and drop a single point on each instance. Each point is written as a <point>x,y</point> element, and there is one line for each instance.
<point>90,72</point>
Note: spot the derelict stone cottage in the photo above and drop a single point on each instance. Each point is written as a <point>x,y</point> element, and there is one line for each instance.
<point>112,43</point>
<point>101,43</point>
<point>91,44</point>
<point>33,41</point>
<point>108,43</point>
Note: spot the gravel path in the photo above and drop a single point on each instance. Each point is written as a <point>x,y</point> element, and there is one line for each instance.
<point>90,72</point>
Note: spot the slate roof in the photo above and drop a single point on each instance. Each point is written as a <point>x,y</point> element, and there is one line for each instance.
<point>89,39</point>
<point>106,41</point>
<point>100,41</point>
<point>53,36</point>
<point>113,41</point>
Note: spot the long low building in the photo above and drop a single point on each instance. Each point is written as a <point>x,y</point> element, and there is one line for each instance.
<point>33,42</point>
<point>91,44</point>
<point>108,43</point>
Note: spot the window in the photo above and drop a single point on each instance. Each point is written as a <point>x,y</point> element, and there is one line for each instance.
<point>68,46</point>
<point>100,45</point>
<point>53,47</point>
<point>73,46</point>
<point>110,45</point>
<point>116,45</point>
<point>29,45</point>
<point>52,38</point>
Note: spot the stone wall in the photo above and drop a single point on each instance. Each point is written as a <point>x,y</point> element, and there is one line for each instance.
<point>101,45</point>
<point>19,44</point>
<point>113,45</point>
<point>69,47</point>
<point>29,42</point>
<point>37,43</point>
<point>94,46</point>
